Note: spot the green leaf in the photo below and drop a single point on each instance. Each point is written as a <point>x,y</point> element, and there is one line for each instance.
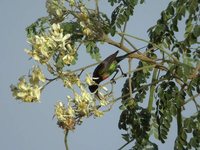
<point>93,50</point>
<point>175,27</point>
<point>193,142</point>
<point>171,10</point>
<point>196,31</point>
<point>142,1</point>
<point>113,30</point>
<point>126,137</point>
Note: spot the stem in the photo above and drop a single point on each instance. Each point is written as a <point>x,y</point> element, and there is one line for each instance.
<point>97,7</point>
<point>126,49</point>
<point>144,86</point>
<point>140,56</point>
<point>126,144</point>
<point>129,72</point>
<point>49,81</point>
<point>129,43</point>
<point>191,98</point>
<point>122,39</point>
<point>129,77</point>
<point>152,90</point>
<point>179,121</point>
<point>83,68</point>
<point>65,140</point>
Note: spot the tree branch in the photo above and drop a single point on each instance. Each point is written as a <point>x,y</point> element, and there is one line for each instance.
<point>152,90</point>
<point>141,56</point>
<point>129,77</point>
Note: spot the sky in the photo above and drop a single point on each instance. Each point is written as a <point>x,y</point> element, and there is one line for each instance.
<point>25,126</point>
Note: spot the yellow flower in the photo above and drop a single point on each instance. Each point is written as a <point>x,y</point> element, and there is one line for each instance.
<point>65,116</point>
<point>60,111</point>
<point>86,96</point>
<point>103,103</point>
<point>68,124</point>
<point>69,99</point>
<point>87,31</point>
<point>59,12</point>
<point>21,94</point>
<point>58,37</point>
<point>98,113</point>
<point>68,84</point>
<point>77,97</point>
<point>70,79</point>
<point>70,111</point>
<point>55,28</point>
<point>68,59</point>
<point>22,85</point>
<point>41,48</point>
<point>26,92</point>
<point>84,10</point>
<point>71,3</point>
<point>82,24</point>
<point>83,108</point>
<point>32,54</point>
<point>35,93</point>
<point>37,76</point>
<point>89,80</point>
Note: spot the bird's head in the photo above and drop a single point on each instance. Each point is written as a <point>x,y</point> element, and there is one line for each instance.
<point>93,88</point>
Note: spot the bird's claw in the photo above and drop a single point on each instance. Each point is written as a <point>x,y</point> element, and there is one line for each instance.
<point>124,75</point>
<point>113,81</point>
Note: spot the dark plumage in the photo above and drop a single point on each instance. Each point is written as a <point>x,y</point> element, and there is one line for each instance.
<point>106,68</point>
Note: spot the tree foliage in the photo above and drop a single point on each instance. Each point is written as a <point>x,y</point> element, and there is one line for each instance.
<point>167,75</point>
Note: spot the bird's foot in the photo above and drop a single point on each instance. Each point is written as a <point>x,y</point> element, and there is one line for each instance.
<point>124,75</point>
<point>112,81</point>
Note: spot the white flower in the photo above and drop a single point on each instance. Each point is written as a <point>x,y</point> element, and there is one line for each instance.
<point>70,111</point>
<point>86,96</point>
<point>89,80</point>
<point>67,59</point>
<point>77,97</point>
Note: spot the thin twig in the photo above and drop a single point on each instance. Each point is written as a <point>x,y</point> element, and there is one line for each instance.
<point>191,98</point>
<point>122,39</point>
<point>97,7</point>
<point>157,46</point>
<point>141,56</point>
<point>138,69</point>
<point>129,77</point>
<point>65,140</point>
<point>126,144</point>
<point>152,90</point>
<point>49,81</point>
<point>83,68</point>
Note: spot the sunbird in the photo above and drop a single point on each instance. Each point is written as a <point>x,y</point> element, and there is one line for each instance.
<point>107,67</point>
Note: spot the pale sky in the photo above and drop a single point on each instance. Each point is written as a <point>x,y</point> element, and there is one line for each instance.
<point>25,126</point>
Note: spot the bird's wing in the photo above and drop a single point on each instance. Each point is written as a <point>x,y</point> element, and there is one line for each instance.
<point>101,68</point>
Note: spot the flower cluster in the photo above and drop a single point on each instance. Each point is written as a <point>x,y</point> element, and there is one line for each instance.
<point>46,45</point>
<point>80,105</point>
<point>85,21</point>
<point>65,116</point>
<point>56,8</point>
<point>29,91</point>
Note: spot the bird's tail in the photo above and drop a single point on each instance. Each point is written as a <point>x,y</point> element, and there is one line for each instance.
<point>120,58</point>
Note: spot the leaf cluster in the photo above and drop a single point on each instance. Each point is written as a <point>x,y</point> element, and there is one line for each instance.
<point>122,13</point>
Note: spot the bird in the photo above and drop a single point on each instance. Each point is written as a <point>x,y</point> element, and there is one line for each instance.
<point>106,68</point>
